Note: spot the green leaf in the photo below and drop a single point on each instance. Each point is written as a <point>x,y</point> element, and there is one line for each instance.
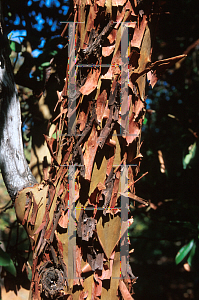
<point>29,274</point>
<point>184,251</point>
<point>45,64</point>
<point>54,52</point>
<point>55,134</point>
<point>191,255</point>
<point>189,156</point>
<point>7,263</point>
<point>4,258</point>
<point>14,46</point>
<point>11,268</point>
<point>145,121</point>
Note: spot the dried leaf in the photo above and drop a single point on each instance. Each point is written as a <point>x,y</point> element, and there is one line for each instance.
<point>64,111</point>
<point>131,24</point>
<point>138,107</point>
<point>96,288</point>
<point>63,221</point>
<point>101,104</point>
<point>121,12</point>
<point>108,74</point>
<point>61,190</point>
<point>114,68</point>
<point>118,2</point>
<point>78,258</point>
<point>87,268</point>
<point>83,115</point>
<point>156,69</point>
<point>91,82</point>
<point>106,51</point>
<point>137,159</point>
<point>124,291</point>
<point>111,156</point>
<point>112,36</point>
<point>134,130</point>
<point>101,186</point>
<point>134,197</point>
<point>139,33</point>
<point>90,152</point>
<point>83,295</point>
<point>159,67</point>
<point>40,227</point>
<point>106,272</point>
<point>100,2</point>
<point>111,293</point>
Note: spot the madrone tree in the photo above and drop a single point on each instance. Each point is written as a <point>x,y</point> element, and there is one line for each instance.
<point>77,217</point>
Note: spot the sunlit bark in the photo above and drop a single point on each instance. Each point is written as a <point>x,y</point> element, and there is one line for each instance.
<point>95,155</point>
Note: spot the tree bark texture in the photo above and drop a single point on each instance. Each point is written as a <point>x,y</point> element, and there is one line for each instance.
<point>74,217</point>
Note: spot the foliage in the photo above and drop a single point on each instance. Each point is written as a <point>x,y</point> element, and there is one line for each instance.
<point>184,251</point>
<point>40,19</point>
<point>7,262</point>
<point>171,126</point>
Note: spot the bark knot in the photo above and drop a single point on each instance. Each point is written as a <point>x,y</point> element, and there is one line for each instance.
<point>52,282</point>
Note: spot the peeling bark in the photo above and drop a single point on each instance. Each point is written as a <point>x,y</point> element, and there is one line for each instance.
<point>74,218</point>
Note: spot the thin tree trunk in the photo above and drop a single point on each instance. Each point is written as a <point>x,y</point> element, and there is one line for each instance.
<point>77,219</point>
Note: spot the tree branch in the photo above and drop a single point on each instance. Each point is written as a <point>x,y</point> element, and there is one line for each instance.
<point>13,164</point>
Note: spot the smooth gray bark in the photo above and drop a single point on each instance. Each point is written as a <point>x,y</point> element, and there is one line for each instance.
<point>13,164</point>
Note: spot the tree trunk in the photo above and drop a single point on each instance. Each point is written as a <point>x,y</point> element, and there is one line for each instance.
<point>77,218</point>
